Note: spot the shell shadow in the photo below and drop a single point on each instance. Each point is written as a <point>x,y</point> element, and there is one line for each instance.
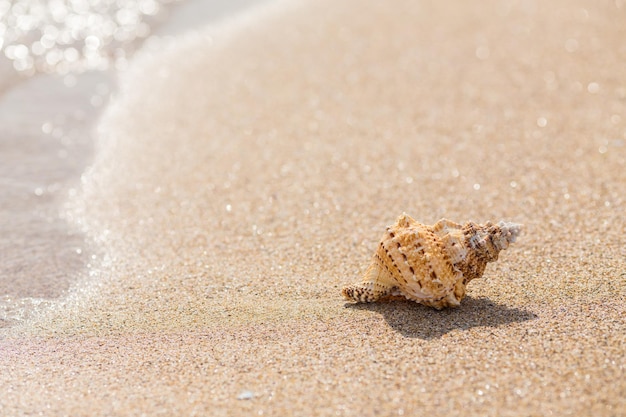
<point>418,321</point>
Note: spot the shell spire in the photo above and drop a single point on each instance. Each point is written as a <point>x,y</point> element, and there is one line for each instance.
<point>431,265</point>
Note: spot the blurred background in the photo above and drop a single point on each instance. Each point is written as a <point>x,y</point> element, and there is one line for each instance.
<point>58,65</point>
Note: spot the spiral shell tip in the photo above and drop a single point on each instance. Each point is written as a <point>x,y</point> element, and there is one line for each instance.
<point>510,230</point>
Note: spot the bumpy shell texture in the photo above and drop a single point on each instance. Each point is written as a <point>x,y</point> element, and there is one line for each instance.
<point>431,265</point>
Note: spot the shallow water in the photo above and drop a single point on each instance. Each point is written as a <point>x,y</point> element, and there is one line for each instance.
<point>62,37</point>
<point>46,144</point>
<point>49,103</point>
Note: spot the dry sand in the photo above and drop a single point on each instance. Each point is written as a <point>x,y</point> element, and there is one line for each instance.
<point>245,175</point>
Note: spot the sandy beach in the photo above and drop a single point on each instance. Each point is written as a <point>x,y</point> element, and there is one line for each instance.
<point>244,173</point>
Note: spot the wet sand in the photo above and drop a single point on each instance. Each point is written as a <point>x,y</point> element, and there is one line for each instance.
<point>47,119</point>
<point>245,174</point>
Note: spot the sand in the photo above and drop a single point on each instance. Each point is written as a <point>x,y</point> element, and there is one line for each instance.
<point>245,173</point>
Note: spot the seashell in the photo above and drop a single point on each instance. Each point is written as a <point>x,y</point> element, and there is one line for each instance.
<point>431,265</point>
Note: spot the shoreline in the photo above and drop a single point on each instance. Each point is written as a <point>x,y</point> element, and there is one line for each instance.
<point>49,139</point>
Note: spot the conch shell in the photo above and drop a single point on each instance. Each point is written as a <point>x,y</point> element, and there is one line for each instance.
<point>431,265</point>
